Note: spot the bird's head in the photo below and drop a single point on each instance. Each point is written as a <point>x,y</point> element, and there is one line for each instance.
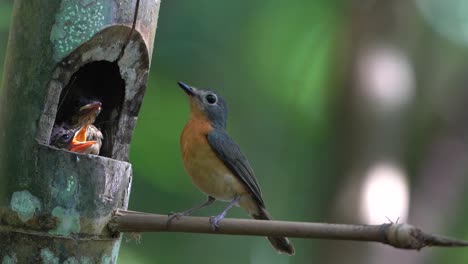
<point>61,136</point>
<point>206,103</point>
<point>88,112</point>
<point>71,139</point>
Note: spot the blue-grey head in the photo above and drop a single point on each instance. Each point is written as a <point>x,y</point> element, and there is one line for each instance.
<point>208,103</point>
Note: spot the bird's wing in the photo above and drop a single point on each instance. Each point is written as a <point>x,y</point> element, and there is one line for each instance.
<point>229,152</point>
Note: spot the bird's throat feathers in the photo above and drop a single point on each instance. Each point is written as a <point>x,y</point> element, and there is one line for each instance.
<point>198,117</point>
<point>194,134</point>
<point>213,117</point>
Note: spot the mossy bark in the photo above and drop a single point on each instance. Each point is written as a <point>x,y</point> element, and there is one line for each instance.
<point>54,204</point>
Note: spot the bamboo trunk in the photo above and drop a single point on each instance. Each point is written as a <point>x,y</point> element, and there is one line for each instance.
<point>54,204</point>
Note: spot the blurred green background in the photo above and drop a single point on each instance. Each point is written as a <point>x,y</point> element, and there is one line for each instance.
<point>349,111</point>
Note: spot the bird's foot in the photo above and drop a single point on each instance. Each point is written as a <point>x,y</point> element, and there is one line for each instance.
<point>173,215</point>
<point>214,221</point>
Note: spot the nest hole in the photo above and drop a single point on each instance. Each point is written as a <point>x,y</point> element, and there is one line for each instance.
<point>98,80</point>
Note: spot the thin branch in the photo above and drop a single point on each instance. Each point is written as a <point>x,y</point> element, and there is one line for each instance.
<point>397,235</point>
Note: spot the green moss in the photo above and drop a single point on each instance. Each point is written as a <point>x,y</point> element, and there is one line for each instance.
<point>71,260</point>
<point>48,257</point>
<point>76,22</point>
<point>9,260</point>
<point>63,190</point>
<point>86,260</point>
<point>68,221</point>
<point>25,204</point>
<point>105,259</point>
<point>115,251</point>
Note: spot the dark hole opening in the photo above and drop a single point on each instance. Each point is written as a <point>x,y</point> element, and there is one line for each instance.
<point>101,81</point>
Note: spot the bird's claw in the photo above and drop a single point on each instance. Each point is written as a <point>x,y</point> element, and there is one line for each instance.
<point>214,221</point>
<point>173,215</point>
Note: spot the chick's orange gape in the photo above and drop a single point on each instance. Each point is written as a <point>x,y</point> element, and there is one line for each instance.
<point>216,164</point>
<point>81,136</point>
<point>79,143</point>
<point>86,117</point>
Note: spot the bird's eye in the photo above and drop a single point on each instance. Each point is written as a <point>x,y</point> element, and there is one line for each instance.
<point>66,136</point>
<point>211,98</point>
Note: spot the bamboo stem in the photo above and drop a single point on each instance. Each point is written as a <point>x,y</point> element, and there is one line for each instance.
<point>397,235</point>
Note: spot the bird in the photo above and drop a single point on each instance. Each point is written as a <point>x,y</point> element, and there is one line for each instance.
<point>70,139</point>
<point>79,134</point>
<point>86,117</point>
<point>216,165</point>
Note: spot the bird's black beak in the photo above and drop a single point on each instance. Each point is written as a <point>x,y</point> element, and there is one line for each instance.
<point>189,90</point>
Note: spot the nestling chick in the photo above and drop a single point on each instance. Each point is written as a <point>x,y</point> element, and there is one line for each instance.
<point>81,135</point>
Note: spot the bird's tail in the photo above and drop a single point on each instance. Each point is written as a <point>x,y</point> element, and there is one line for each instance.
<point>281,244</point>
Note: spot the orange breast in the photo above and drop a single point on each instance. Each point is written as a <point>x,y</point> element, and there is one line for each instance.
<point>202,164</point>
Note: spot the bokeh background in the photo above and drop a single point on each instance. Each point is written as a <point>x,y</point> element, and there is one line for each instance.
<point>349,111</point>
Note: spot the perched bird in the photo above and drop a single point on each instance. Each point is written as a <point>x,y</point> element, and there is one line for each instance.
<point>216,164</point>
<point>70,139</point>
